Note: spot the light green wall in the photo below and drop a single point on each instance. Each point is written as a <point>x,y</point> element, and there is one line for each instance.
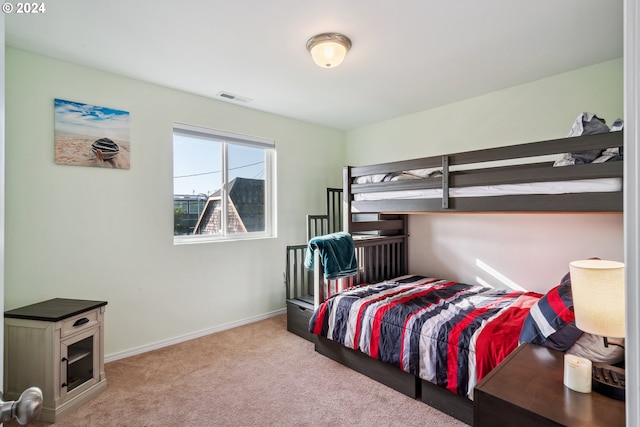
<point>91,233</point>
<point>544,109</point>
<point>529,250</point>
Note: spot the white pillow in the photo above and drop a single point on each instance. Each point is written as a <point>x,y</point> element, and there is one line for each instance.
<point>368,179</point>
<point>425,173</point>
<point>592,347</point>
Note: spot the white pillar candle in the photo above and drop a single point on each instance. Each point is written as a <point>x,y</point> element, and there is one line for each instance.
<point>577,373</point>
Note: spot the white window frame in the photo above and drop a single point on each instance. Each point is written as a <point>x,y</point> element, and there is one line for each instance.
<point>226,138</point>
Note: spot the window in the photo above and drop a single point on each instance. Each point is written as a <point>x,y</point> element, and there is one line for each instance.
<point>223,185</point>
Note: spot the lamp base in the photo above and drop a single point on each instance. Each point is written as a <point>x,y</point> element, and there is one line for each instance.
<point>608,380</point>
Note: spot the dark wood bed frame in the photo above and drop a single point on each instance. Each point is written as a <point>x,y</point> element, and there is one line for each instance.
<point>437,397</point>
<point>374,224</point>
<point>508,174</point>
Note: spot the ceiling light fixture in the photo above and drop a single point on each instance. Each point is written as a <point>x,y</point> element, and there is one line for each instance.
<point>328,49</point>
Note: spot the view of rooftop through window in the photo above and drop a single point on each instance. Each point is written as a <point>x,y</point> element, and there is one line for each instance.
<point>202,163</point>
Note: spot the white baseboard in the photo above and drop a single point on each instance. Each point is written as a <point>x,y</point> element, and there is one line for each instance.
<point>154,346</point>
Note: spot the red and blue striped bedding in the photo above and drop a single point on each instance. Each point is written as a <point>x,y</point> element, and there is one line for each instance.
<point>448,333</point>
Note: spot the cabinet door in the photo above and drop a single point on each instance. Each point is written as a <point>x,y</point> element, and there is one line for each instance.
<point>79,364</point>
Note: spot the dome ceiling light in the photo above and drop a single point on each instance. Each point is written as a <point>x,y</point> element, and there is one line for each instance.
<point>328,49</point>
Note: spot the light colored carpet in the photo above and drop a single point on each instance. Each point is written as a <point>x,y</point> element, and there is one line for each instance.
<point>253,375</point>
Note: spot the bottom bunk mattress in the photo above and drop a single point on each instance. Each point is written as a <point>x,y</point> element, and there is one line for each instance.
<point>448,333</point>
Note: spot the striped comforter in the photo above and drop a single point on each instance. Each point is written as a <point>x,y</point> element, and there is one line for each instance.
<point>448,333</point>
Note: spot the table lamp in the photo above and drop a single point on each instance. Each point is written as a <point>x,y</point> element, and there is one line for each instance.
<point>598,291</point>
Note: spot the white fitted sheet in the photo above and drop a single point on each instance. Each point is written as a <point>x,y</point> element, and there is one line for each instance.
<point>599,185</point>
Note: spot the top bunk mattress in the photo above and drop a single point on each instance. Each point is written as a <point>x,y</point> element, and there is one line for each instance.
<point>599,185</point>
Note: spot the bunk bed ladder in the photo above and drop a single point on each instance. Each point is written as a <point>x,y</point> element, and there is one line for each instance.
<point>380,244</point>
<point>298,281</point>
<point>299,288</point>
<point>371,223</point>
<point>331,221</point>
<point>317,225</point>
<point>334,209</point>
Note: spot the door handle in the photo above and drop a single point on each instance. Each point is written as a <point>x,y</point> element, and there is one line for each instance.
<point>26,409</point>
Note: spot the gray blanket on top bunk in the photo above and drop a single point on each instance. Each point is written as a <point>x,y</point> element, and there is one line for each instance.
<point>590,124</point>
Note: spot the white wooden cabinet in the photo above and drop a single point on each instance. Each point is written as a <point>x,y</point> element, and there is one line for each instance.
<point>57,345</point>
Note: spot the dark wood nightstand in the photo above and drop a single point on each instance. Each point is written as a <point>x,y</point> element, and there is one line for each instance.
<point>527,389</point>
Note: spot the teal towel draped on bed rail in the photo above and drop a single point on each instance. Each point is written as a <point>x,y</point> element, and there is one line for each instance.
<point>337,252</point>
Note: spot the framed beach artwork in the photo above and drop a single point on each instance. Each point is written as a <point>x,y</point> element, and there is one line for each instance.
<point>88,135</point>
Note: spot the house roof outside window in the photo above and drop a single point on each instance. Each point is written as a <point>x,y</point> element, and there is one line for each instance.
<point>245,206</point>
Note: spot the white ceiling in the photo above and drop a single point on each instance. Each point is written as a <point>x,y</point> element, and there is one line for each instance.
<point>407,55</point>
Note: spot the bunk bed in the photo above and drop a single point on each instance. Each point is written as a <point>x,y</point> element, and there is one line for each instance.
<point>519,178</point>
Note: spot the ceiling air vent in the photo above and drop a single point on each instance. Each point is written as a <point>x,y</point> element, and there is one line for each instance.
<point>231,97</point>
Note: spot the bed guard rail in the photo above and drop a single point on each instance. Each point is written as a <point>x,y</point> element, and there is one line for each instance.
<point>517,164</point>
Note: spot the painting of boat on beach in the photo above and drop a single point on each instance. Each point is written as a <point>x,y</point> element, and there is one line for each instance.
<point>88,135</point>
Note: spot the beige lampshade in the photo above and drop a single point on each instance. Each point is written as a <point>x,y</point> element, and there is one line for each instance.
<point>598,293</point>
<point>328,50</point>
